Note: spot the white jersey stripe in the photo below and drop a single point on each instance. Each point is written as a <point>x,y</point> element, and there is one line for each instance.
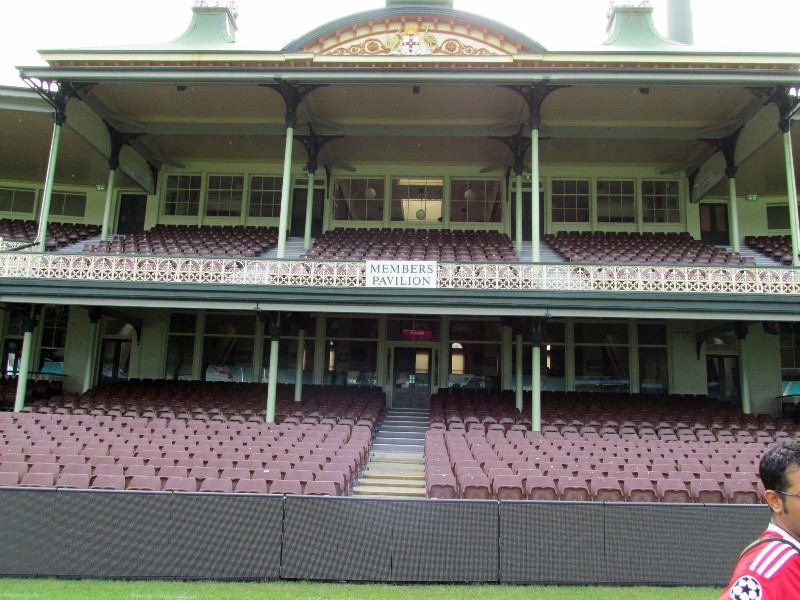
<point>786,556</point>
<point>777,548</point>
<point>754,566</point>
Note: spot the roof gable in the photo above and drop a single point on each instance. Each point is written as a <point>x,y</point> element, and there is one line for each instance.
<point>416,29</point>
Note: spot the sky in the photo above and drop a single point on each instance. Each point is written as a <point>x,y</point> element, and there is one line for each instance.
<point>30,25</point>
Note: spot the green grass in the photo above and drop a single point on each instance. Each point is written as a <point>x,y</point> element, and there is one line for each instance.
<point>44,589</point>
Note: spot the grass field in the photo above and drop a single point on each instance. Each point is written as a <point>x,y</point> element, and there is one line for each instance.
<point>46,589</point>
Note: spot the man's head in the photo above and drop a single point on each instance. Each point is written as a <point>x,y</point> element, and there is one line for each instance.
<point>780,473</point>
<point>776,464</point>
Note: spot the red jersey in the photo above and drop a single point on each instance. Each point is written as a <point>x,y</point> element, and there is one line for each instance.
<point>768,571</point>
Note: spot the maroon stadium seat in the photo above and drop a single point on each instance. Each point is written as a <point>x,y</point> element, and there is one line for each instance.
<point>180,484</point>
<point>540,487</point>
<point>151,483</point>
<point>508,487</point>
<point>573,488</point>
<point>740,491</point>
<point>74,480</point>
<point>251,486</point>
<point>475,487</point>
<point>672,490</point>
<point>320,488</point>
<point>706,491</point>
<point>290,486</point>
<point>637,489</point>
<point>214,484</point>
<point>441,486</point>
<point>605,489</point>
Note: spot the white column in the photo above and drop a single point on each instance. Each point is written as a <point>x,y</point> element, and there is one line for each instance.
<point>258,352</point>
<point>298,375</point>
<point>733,218</point>
<point>444,358</point>
<point>536,388</point>
<point>518,220</point>
<point>507,353</point>
<point>309,211</point>
<point>199,338</point>
<point>744,379</point>
<point>112,175</point>
<point>287,186</point>
<point>29,325</point>
<point>792,195</point>
<point>91,355</point>
<point>320,351</point>
<point>44,213</point>
<point>518,373</point>
<point>535,195</point>
<point>634,384</point>
<point>380,379</point>
<point>569,354</point>
<point>272,385</point>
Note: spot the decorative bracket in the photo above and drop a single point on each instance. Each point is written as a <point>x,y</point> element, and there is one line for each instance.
<point>292,95</point>
<point>519,146</point>
<point>534,96</point>
<point>787,106</point>
<point>55,94</point>
<point>313,143</point>
<point>727,146</point>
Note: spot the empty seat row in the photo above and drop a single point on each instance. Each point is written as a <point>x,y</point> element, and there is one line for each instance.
<point>411,244</point>
<point>776,247</point>
<point>625,247</point>
<point>58,234</point>
<point>245,241</point>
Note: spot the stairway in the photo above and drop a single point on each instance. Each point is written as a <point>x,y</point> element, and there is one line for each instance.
<point>760,259</point>
<point>294,248</point>
<point>546,253</point>
<point>396,466</point>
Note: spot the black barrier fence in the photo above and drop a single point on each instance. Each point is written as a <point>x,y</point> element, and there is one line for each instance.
<point>98,534</point>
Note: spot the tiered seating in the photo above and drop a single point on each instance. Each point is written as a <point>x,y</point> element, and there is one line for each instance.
<point>413,244</point>
<point>36,389</point>
<point>210,438</point>
<point>624,247</point>
<point>776,247</point>
<point>602,448</point>
<point>185,240</point>
<point>58,234</point>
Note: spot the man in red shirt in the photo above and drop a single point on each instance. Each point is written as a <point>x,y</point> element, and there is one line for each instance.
<point>769,569</point>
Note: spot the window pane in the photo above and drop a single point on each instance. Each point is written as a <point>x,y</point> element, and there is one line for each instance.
<point>660,201</point>
<point>224,195</point>
<point>778,216</point>
<point>182,195</point>
<point>570,201</point>
<point>417,199</point>
<point>476,201</point>
<point>613,204</point>
<point>653,378</point>
<point>601,333</point>
<point>265,196</point>
<point>358,199</point>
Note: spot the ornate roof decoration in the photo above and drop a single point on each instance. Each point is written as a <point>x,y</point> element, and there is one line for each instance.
<point>415,30</point>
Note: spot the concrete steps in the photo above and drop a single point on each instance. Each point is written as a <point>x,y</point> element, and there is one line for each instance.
<point>396,466</point>
<point>294,248</point>
<point>760,259</point>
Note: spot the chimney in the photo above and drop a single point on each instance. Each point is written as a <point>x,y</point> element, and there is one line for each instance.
<point>679,21</point>
<point>631,27</point>
<point>211,26</point>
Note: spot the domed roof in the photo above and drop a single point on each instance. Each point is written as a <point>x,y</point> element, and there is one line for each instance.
<point>415,28</point>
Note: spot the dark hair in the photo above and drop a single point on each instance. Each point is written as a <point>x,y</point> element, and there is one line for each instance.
<point>777,461</point>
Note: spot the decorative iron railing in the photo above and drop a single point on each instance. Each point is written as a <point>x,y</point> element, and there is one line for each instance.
<point>6,244</point>
<point>727,279</point>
